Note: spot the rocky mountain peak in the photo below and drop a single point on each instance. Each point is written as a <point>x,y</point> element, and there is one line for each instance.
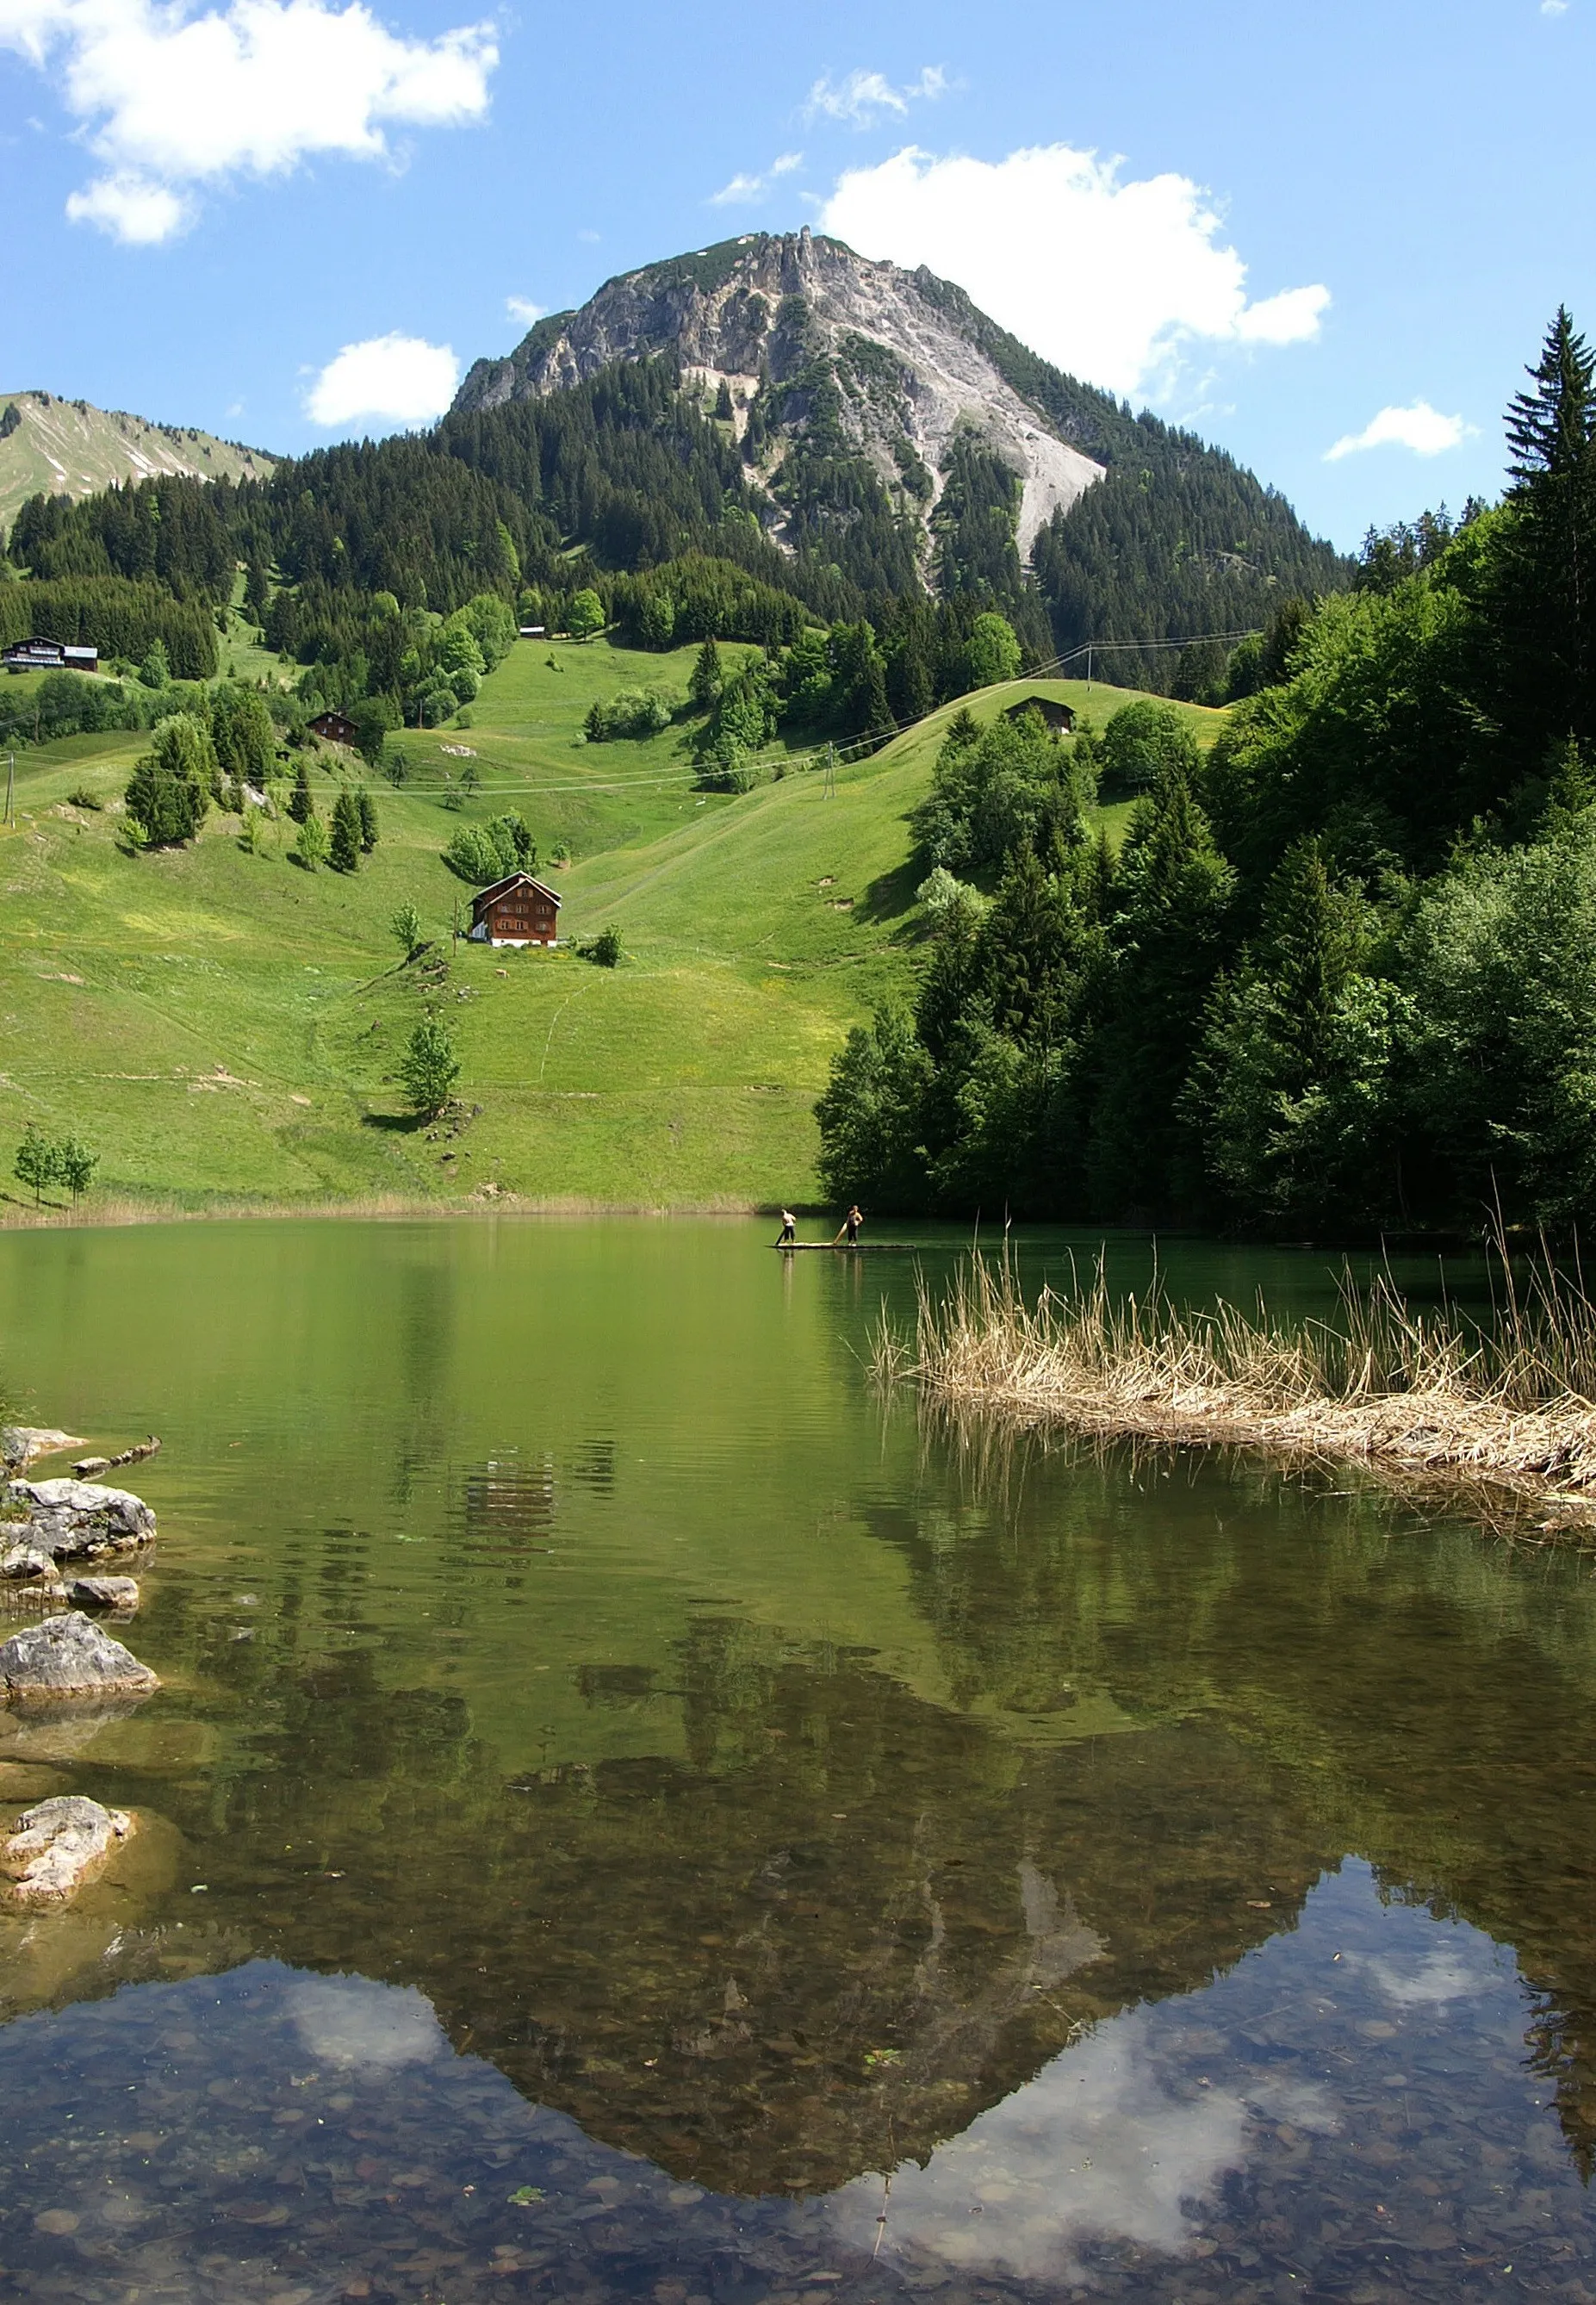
<point>810,346</point>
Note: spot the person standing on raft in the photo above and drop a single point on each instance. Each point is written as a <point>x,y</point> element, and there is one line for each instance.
<point>850,1225</point>
<point>789,1230</point>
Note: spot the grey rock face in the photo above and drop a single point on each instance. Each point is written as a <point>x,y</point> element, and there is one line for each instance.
<point>72,1520</point>
<point>904,353</point>
<point>58,1845</point>
<point>69,1656</point>
<point>119,1592</point>
<point>87,1467</point>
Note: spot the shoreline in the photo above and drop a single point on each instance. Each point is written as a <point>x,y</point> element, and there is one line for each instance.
<point>114,1214</point>
<point>1502,1427</point>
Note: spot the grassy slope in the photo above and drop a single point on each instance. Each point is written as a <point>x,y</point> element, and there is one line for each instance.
<point>221,1025</point>
<point>75,449</point>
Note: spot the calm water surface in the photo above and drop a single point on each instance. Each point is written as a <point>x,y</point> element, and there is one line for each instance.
<point>632,1815</point>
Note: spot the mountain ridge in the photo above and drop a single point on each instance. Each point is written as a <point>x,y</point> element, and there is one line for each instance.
<point>58,446</point>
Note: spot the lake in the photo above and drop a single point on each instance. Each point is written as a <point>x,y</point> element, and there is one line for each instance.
<point>633,1813</point>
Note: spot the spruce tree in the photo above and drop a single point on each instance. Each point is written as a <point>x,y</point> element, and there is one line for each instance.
<point>369,832</point>
<point>708,679</point>
<point>1545,594</point>
<point>1171,899</point>
<point>344,852</point>
<point>301,802</point>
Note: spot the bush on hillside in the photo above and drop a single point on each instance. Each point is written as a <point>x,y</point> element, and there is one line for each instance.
<point>484,853</point>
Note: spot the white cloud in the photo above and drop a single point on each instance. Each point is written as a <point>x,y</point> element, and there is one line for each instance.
<point>741,190</point>
<point>402,379</point>
<point>1112,280</point>
<point>170,101</point>
<point>865,95</point>
<point>131,208</point>
<point>520,307</point>
<point>1554,7</point>
<point>1421,428</point>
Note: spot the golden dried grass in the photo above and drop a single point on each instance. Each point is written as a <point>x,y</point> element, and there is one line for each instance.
<point>1498,1415</point>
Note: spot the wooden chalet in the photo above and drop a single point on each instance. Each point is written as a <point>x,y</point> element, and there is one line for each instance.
<point>335,729</point>
<point>39,655</point>
<point>1060,717</point>
<point>519,910</point>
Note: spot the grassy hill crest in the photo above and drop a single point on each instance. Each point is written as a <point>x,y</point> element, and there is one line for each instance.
<point>70,447</point>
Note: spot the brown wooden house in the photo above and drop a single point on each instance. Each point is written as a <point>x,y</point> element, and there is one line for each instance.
<point>516,911</point>
<point>1060,717</point>
<point>335,729</point>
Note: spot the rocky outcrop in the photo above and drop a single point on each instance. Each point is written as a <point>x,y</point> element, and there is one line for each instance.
<point>90,1468</point>
<point>74,1520</point>
<point>21,1563</point>
<point>22,1444</point>
<point>70,1657</point>
<point>895,358</point>
<point>58,1845</point>
<point>118,1592</point>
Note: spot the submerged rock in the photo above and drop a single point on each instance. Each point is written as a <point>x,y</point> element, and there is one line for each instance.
<point>68,1656</point>
<point>19,1444</point>
<point>73,1519</point>
<point>58,1845</point>
<point>119,1592</point>
<point>86,1467</point>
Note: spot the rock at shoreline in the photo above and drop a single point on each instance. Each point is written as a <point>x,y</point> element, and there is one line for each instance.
<point>58,1845</point>
<point>23,1561</point>
<point>73,1519</point>
<point>19,1444</point>
<point>69,1656</point>
<point>118,1592</point>
<point>87,1467</point>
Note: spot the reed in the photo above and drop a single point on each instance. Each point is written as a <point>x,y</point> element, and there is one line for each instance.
<point>1430,1402</point>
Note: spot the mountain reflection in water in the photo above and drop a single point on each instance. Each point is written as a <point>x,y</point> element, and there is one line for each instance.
<point>1347,2113</point>
<point>631,1814</point>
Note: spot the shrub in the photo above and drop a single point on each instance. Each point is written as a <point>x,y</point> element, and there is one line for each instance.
<point>604,951</point>
<point>481,853</point>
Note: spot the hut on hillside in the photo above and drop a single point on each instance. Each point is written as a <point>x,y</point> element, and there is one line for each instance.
<point>1060,717</point>
<point>518,910</point>
<point>335,728</point>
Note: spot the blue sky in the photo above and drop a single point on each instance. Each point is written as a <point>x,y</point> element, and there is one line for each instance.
<point>1328,239</point>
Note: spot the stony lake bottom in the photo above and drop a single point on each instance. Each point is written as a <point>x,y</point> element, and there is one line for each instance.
<point>633,1813</point>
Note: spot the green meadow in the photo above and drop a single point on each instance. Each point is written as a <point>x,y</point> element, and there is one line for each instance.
<point>223,1027</point>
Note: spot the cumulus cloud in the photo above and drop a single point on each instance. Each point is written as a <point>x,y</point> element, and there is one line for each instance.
<point>171,100</point>
<point>864,97</point>
<point>1110,279</point>
<point>522,308</point>
<point>1554,7</point>
<point>743,190</point>
<point>1421,428</point>
<point>401,380</point>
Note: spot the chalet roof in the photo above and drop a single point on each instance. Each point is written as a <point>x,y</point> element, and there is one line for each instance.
<point>514,880</point>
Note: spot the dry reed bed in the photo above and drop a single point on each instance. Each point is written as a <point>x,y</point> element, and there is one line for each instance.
<point>1501,1416</point>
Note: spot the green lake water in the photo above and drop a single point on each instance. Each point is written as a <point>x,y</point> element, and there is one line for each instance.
<point>632,1812</point>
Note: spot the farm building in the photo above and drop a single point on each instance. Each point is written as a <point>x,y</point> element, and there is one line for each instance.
<point>1060,717</point>
<point>516,911</point>
<point>50,656</point>
<point>335,729</point>
<point>532,631</point>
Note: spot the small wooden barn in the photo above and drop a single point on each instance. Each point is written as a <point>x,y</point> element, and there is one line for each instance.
<point>335,729</point>
<point>1060,717</point>
<point>519,910</point>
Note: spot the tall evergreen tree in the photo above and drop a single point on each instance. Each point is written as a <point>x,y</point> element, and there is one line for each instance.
<point>1170,901</point>
<point>344,852</point>
<point>1545,594</point>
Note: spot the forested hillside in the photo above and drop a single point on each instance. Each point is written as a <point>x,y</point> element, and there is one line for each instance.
<point>1342,972</point>
<point>610,461</point>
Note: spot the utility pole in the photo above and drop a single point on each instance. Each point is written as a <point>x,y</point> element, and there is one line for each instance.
<point>831,789</point>
<point>10,788</point>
